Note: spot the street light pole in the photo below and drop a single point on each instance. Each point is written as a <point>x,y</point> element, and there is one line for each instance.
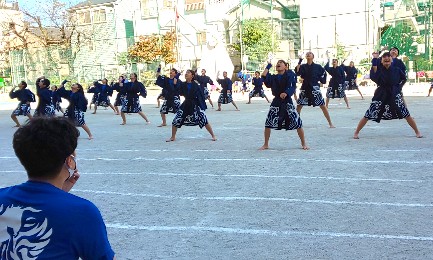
<point>272,25</point>
<point>241,27</point>
<point>428,51</point>
<point>426,21</point>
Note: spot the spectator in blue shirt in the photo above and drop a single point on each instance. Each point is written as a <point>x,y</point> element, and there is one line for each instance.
<point>39,218</point>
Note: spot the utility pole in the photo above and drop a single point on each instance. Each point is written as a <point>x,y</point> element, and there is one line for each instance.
<point>428,50</point>
<point>426,32</point>
<point>272,25</point>
<point>241,27</point>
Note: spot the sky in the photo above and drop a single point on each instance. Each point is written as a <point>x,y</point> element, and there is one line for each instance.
<point>33,5</point>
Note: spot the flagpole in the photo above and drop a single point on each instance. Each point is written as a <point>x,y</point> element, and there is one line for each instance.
<point>176,26</point>
<point>241,25</point>
<point>159,29</point>
<point>272,25</point>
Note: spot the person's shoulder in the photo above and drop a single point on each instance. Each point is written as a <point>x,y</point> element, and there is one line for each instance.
<point>291,72</point>
<point>6,190</point>
<point>74,204</point>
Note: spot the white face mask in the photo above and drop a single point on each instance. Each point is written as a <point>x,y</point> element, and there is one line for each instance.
<point>70,170</point>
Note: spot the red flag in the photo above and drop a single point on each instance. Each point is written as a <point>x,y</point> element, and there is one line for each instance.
<point>177,14</point>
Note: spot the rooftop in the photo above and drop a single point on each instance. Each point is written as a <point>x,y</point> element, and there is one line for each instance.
<point>91,3</point>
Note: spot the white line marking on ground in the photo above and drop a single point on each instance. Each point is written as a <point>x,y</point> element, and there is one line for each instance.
<point>241,150</point>
<point>256,159</point>
<point>399,150</point>
<point>277,233</point>
<point>248,159</point>
<point>236,150</point>
<point>335,202</point>
<point>249,176</point>
<point>242,176</point>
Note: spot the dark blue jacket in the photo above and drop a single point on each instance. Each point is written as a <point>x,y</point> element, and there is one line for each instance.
<point>45,96</point>
<point>285,83</point>
<point>77,100</point>
<point>351,72</point>
<point>204,80</point>
<point>23,95</point>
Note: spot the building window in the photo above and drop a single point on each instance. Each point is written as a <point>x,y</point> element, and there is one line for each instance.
<point>190,2</point>
<point>216,2</point>
<point>84,17</point>
<point>99,16</point>
<point>194,5</point>
<point>168,4</point>
<point>90,45</point>
<point>201,38</point>
<point>149,8</point>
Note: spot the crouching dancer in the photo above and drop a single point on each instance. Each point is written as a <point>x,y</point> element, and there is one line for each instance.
<point>282,112</point>
<point>191,111</point>
<point>77,105</point>
<point>25,96</point>
<point>387,102</point>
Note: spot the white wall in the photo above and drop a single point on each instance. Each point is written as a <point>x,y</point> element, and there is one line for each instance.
<point>348,22</point>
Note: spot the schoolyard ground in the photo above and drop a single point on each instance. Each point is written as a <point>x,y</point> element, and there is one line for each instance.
<point>197,199</point>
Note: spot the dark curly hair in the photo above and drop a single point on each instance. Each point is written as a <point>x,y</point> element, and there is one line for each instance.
<point>43,144</point>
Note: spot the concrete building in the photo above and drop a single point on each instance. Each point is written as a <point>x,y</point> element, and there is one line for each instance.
<point>354,24</point>
<point>207,28</point>
<point>106,29</point>
<point>9,17</point>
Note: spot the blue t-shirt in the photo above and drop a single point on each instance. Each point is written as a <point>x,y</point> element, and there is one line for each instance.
<point>40,220</point>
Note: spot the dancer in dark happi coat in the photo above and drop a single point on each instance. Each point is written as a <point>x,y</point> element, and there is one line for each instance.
<point>121,93</point>
<point>25,97</point>
<point>282,113</point>
<point>77,105</point>
<point>387,101</point>
<point>430,89</point>
<point>396,62</point>
<point>45,105</point>
<point>170,92</point>
<point>351,75</point>
<point>226,92</point>
<point>336,87</point>
<point>245,79</point>
<point>92,89</point>
<point>191,111</point>
<point>312,74</point>
<point>133,90</point>
<point>258,88</point>
<point>57,99</point>
<point>204,80</point>
<point>104,92</point>
<point>158,99</point>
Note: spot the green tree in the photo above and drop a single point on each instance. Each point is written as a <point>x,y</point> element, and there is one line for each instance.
<point>422,63</point>
<point>257,38</point>
<point>122,58</point>
<point>402,37</point>
<point>341,51</point>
